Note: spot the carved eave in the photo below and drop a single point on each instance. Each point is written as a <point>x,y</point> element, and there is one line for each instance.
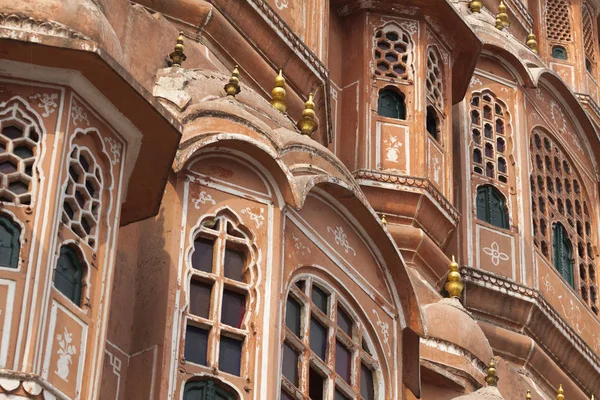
<point>447,23</point>
<point>504,303</point>
<point>75,57</point>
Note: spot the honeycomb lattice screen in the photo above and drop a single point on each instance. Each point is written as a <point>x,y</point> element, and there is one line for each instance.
<point>557,196</point>
<point>558,20</point>
<point>18,150</point>
<point>81,204</point>
<point>588,34</point>
<point>392,53</point>
<point>435,88</point>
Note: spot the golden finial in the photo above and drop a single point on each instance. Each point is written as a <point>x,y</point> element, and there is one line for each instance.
<point>499,24</point>
<point>528,397</point>
<point>532,43</point>
<point>278,93</point>
<point>475,6</point>
<point>454,285</point>
<point>492,378</point>
<point>561,393</point>
<point>503,15</point>
<point>383,220</point>
<point>592,397</point>
<point>233,86</point>
<point>178,56</point>
<point>308,121</point>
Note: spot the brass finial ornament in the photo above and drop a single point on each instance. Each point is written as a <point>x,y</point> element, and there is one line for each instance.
<point>561,393</point>
<point>499,24</point>
<point>233,86</point>
<point>532,43</point>
<point>475,6</point>
<point>454,285</point>
<point>383,220</point>
<point>278,93</point>
<point>178,56</point>
<point>308,121</point>
<point>528,397</point>
<point>492,378</point>
<point>503,15</point>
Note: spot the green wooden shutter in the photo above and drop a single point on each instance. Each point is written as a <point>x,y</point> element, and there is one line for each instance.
<point>68,275</point>
<point>205,390</point>
<point>391,105</point>
<point>9,243</point>
<point>563,253</point>
<point>491,207</point>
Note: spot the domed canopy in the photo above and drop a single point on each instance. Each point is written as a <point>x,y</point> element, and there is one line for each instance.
<point>486,393</point>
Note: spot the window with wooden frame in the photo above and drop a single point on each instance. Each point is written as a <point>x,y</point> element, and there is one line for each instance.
<point>69,274</point>
<point>219,293</point>
<point>326,353</point>
<point>390,104</point>
<point>558,199</point>
<point>491,206</point>
<point>562,250</point>
<point>489,134</point>
<point>10,243</point>
<point>207,389</point>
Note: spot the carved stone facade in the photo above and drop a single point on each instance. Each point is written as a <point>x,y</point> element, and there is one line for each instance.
<point>160,239</point>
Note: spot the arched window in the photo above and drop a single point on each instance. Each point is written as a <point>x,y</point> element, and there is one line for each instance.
<point>18,150</point>
<point>392,52</point>
<point>432,123</point>
<point>68,275</point>
<point>563,253</point>
<point>559,52</point>
<point>391,104</point>
<point>219,291</point>
<point>313,364</point>
<point>563,204</point>
<point>491,206</point>
<point>10,244</point>
<point>82,199</point>
<point>489,116</point>
<point>206,390</point>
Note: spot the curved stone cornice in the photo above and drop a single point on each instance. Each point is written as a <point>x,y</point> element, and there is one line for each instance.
<point>17,385</point>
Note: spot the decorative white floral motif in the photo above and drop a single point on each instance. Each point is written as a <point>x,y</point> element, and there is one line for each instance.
<point>436,170</point>
<point>257,218</point>
<point>549,287</point>
<point>410,26</point>
<point>504,89</point>
<point>299,245</point>
<point>78,114</point>
<point>203,198</point>
<point>115,149</point>
<point>597,342</point>
<point>556,113</point>
<point>341,238</point>
<point>281,4</point>
<point>494,252</point>
<point>385,331</point>
<point>65,352</point>
<point>539,95</point>
<point>573,314</point>
<point>475,81</point>
<point>47,102</point>
<point>391,151</point>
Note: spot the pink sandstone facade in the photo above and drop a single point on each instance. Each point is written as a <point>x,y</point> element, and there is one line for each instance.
<point>172,230</point>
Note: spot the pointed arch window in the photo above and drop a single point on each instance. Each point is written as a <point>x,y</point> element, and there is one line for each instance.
<point>219,291</point>
<point>433,81</point>
<point>562,252</point>
<point>313,364</point>
<point>491,206</point>
<point>10,244</point>
<point>206,390</point>
<point>69,273</point>
<point>391,104</point>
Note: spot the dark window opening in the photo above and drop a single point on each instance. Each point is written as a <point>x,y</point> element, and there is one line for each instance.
<point>391,104</point>
<point>432,123</point>
<point>68,276</point>
<point>491,206</point>
<point>562,252</point>
<point>559,52</point>
<point>9,243</point>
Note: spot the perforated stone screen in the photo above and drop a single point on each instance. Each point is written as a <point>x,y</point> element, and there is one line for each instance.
<point>558,20</point>
<point>392,48</point>
<point>435,88</point>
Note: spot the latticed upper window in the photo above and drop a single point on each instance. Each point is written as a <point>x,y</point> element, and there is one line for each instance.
<point>489,133</point>
<point>82,199</point>
<point>588,38</point>
<point>558,198</point>
<point>435,89</point>
<point>326,354</point>
<point>392,52</point>
<point>558,20</point>
<point>18,150</point>
<point>219,292</point>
